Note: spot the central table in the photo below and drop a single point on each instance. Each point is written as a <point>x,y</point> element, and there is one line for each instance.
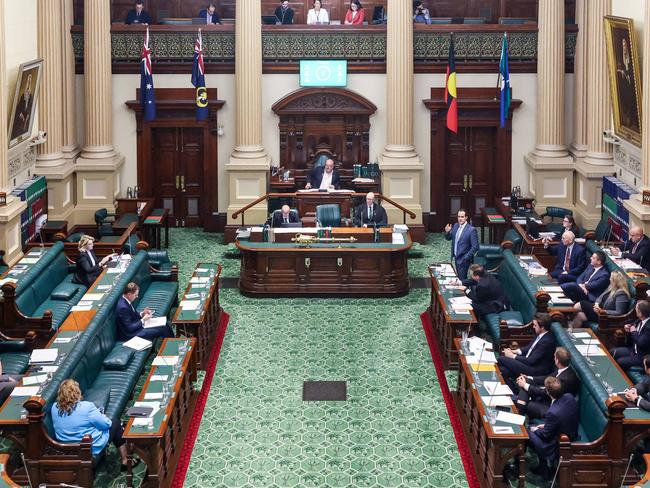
<point>359,268</point>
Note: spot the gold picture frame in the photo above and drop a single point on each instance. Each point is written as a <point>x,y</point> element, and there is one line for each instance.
<point>624,77</point>
<point>28,84</point>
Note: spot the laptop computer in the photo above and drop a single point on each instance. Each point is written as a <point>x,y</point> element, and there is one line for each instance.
<point>269,19</point>
<point>287,225</point>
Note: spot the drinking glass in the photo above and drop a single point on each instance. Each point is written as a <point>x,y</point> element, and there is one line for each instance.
<point>491,415</point>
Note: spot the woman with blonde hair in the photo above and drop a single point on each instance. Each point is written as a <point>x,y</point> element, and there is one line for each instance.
<point>88,267</point>
<point>615,300</point>
<point>73,418</point>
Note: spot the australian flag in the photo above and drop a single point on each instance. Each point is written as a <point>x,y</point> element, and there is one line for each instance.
<point>146,82</point>
<point>198,80</point>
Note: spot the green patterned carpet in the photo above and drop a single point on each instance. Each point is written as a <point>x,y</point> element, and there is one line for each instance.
<point>256,431</point>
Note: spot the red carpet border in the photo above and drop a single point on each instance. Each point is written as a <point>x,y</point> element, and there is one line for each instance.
<point>461,441</point>
<point>193,431</point>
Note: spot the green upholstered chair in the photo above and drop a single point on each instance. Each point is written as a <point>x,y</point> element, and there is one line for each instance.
<point>104,222</point>
<point>320,160</point>
<point>329,215</point>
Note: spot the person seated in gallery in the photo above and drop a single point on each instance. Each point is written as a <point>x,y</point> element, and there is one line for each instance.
<point>640,394</point>
<point>591,283</point>
<point>571,258</point>
<point>88,267</point>
<point>324,177</point>
<point>532,399</point>
<point>284,13</point>
<point>615,300</point>
<point>420,13</point>
<point>370,214</point>
<point>533,360</point>
<point>317,15</point>
<point>485,291</point>
<point>637,340</point>
<point>210,14</point>
<point>562,417</point>
<point>284,216</point>
<point>636,248</point>
<point>73,418</point>
<point>130,323</point>
<point>355,14</point>
<point>138,15</point>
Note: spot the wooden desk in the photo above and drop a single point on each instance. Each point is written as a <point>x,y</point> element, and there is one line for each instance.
<point>447,323</point>
<point>203,322</point>
<point>53,227</point>
<point>325,269</point>
<point>536,246</point>
<point>127,212</point>
<point>496,223</point>
<point>152,225</point>
<point>308,201</point>
<point>490,451</point>
<point>160,446</point>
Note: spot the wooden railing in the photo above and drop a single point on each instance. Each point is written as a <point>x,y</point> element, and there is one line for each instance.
<point>241,211</point>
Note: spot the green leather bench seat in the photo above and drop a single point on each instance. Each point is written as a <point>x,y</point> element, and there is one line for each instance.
<point>14,362</point>
<point>159,296</point>
<point>611,266</point>
<point>521,295</point>
<point>161,262</point>
<point>52,273</point>
<point>592,396</point>
<point>636,374</point>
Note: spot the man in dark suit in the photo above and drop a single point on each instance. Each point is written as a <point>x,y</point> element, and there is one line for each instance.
<point>284,13</point>
<point>284,216</point>
<point>485,291</point>
<point>130,323</point>
<point>532,399</point>
<point>562,417</point>
<point>324,177</point>
<point>7,383</point>
<point>640,394</point>
<point>138,15</point>
<point>533,360</point>
<point>464,243</point>
<point>571,258</point>
<point>210,14</point>
<point>593,281</point>
<point>370,213</point>
<point>636,248</point>
<point>638,339</point>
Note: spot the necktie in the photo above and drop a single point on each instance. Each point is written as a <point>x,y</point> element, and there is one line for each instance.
<point>634,248</point>
<point>591,276</point>
<point>638,331</point>
<point>370,213</point>
<point>460,231</point>
<point>532,346</point>
<point>567,259</point>
<point>286,220</point>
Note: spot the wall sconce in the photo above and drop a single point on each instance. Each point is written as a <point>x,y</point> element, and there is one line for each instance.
<point>220,130</point>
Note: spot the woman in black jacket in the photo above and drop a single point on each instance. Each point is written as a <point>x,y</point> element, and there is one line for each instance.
<point>615,300</point>
<point>88,267</point>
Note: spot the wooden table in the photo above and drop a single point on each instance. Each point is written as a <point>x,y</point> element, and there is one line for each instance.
<point>491,451</point>
<point>536,246</point>
<point>448,324</point>
<point>202,322</point>
<point>152,225</point>
<point>361,268</point>
<point>53,227</point>
<point>161,445</point>
<point>495,222</point>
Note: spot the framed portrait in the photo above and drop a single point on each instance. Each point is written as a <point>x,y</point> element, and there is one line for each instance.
<point>28,85</point>
<point>624,77</point>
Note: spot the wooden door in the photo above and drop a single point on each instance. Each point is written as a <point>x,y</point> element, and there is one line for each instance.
<point>178,173</point>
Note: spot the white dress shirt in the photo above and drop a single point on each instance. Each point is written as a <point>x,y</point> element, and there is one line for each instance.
<point>320,17</point>
<point>326,182</point>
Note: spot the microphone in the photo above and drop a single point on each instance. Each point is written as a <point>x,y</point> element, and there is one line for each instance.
<point>588,359</point>
<point>629,462</point>
<point>477,378</point>
<point>557,470</point>
<point>29,479</point>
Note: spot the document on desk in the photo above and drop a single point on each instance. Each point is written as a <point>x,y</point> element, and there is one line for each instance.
<point>137,343</point>
<point>502,430</point>
<point>510,418</point>
<point>552,289</point>
<point>590,350</point>
<point>164,360</point>
<point>190,304</point>
<point>25,391</point>
<point>43,356</point>
<point>482,367</point>
<point>497,401</point>
<point>560,299</point>
<point>496,388</point>
<point>155,322</point>
<point>481,357</point>
<point>82,307</point>
<point>581,335</point>
<point>36,379</point>
<point>199,279</point>
<point>92,297</point>
<point>398,238</point>
<point>311,190</point>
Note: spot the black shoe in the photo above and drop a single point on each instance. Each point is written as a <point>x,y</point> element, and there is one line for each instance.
<point>542,471</point>
<point>511,472</point>
<point>124,467</point>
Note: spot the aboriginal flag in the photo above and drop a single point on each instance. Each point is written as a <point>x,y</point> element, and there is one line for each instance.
<point>450,90</point>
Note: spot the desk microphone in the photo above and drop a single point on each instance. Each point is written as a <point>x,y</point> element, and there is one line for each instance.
<point>587,358</point>
<point>557,470</point>
<point>29,479</point>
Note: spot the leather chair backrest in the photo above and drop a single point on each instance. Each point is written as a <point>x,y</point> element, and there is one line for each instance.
<point>517,286</point>
<point>100,215</point>
<point>593,395</point>
<point>513,236</point>
<point>602,230</point>
<point>35,271</point>
<point>329,215</point>
<point>320,160</point>
<point>558,212</point>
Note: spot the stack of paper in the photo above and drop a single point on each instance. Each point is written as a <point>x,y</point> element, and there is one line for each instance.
<point>400,228</point>
<point>137,343</point>
<point>36,379</point>
<point>93,297</point>
<point>496,388</point>
<point>24,391</point>
<point>560,299</point>
<point>590,350</point>
<point>552,289</point>
<point>497,401</point>
<point>483,357</point>
<point>547,235</point>
<point>164,360</point>
<point>43,356</point>
<point>398,238</point>
<point>199,279</point>
<point>155,322</point>
<point>535,271</point>
<point>460,303</point>
<point>510,418</point>
<point>190,304</point>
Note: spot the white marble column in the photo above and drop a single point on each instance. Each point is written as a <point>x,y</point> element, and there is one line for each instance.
<point>400,164</point>
<point>579,144</point>
<point>70,145</point>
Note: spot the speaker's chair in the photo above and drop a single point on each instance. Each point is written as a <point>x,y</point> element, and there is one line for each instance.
<point>329,215</point>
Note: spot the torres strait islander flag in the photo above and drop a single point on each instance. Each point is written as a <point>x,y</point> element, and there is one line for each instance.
<point>450,90</point>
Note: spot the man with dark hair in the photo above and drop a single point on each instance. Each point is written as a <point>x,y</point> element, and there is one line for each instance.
<point>534,359</point>
<point>533,400</point>
<point>640,394</point>
<point>464,242</point>
<point>138,15</point>
<point>485,291</point>
<point>638,339</point>
<point>562,417</point>
<point>593,281</point>
<point>210,14</point>
<point>130,323</point>
<point>284,13</point>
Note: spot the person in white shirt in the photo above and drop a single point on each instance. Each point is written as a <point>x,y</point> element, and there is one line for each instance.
<point>317,15</point>
<point>324,177</point>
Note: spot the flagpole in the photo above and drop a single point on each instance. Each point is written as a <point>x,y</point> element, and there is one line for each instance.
<point>498,90</point>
